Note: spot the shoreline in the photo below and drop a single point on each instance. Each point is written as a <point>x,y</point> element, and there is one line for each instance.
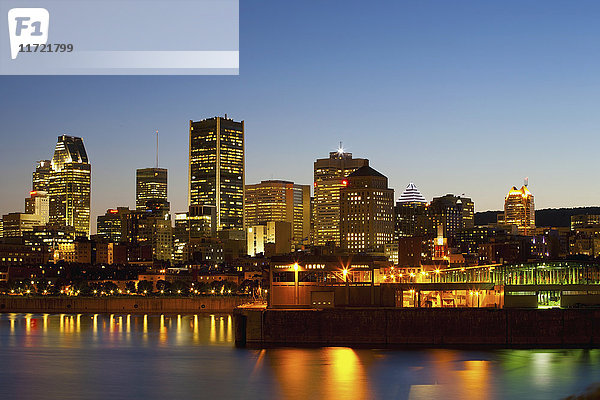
<point>121,304</point>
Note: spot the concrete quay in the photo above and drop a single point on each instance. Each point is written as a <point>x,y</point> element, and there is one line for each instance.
<point>424,327</point>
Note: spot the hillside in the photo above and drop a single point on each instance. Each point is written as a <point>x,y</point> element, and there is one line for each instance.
<point>546,217</point>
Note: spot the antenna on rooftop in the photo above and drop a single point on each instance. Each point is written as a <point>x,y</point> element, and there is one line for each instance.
<point>157,148</point>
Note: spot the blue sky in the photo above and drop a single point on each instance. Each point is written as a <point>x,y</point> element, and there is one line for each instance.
<point>458,97</point>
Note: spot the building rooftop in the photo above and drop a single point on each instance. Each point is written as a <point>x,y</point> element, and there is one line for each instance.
<point>366,171</point>
<point>411,195</point>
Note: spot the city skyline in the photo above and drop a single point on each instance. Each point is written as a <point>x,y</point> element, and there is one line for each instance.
<point>340,150</point>
<point>485,89</point>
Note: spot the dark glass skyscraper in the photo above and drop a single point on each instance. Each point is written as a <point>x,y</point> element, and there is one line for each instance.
<point>216,169</point>
<point>150,186</point>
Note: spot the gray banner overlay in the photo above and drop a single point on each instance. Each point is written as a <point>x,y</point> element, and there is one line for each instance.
<point>126,37</point>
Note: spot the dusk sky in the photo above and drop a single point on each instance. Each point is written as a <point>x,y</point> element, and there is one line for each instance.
<point>458,97</point>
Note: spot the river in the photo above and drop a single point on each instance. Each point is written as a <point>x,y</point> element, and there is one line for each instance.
<point>86,356</point>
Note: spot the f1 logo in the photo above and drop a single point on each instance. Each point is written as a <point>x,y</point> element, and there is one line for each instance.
<point>27,26</point>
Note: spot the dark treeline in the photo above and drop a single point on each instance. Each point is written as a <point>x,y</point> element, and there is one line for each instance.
<point>554,217</point>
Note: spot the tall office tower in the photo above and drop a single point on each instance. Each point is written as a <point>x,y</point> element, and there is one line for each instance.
<point>275,201</point>
<point>70,186</point>
<point>450,213</point>
<point>216,169</point>
<point>519,209</point>
<point>329,175</point>
<point>110,226</point>
<point>410,214</point>
<point>41,176</point>
<point>150,185</point>
<point>366,212</point>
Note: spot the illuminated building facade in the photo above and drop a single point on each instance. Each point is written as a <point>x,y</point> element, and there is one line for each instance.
<point>147,228</point>
<point>70,185</point>
<point>199,222</point>
<point>150,185</point>
<point>41,176</point>
<point>110,225</point>
<point>519,209</point>
<point>274,237</point>
<point>366,212</point>
<point>216,169</point>
<point>329,178</point>
<point>16,224</point>
<point>274,201</point>
<point>38,203</point>
<point>584,221</point>
<point>451,213</point>
<point>411,214</point>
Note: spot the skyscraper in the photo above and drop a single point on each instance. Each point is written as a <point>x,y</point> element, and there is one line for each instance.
<point>366,211</point>
<point>41,176</point>
<point>329,179</point>
<point>519,209</point>
<point>216,169</point>
<point>150,185</point>
<point>450,213</point>
<point>274,201</point>
<point>411,214</point>
<point>70,185</point>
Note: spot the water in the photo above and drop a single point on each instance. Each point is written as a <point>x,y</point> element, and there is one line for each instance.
<point>84,356</point>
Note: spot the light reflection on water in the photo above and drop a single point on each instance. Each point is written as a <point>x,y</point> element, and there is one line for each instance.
<point>95,356</point>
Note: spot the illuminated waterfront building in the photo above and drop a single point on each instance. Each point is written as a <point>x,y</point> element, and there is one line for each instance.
<point>41,176</point>
<point>411,214</point>
<point>150,185</point>
<point>329,178</point>
<point>216,169</point>
<point>275,201</point>
<point>70,185</point>
<point>38,203</point>
<point>519,209</point>
<point>366,211</point>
